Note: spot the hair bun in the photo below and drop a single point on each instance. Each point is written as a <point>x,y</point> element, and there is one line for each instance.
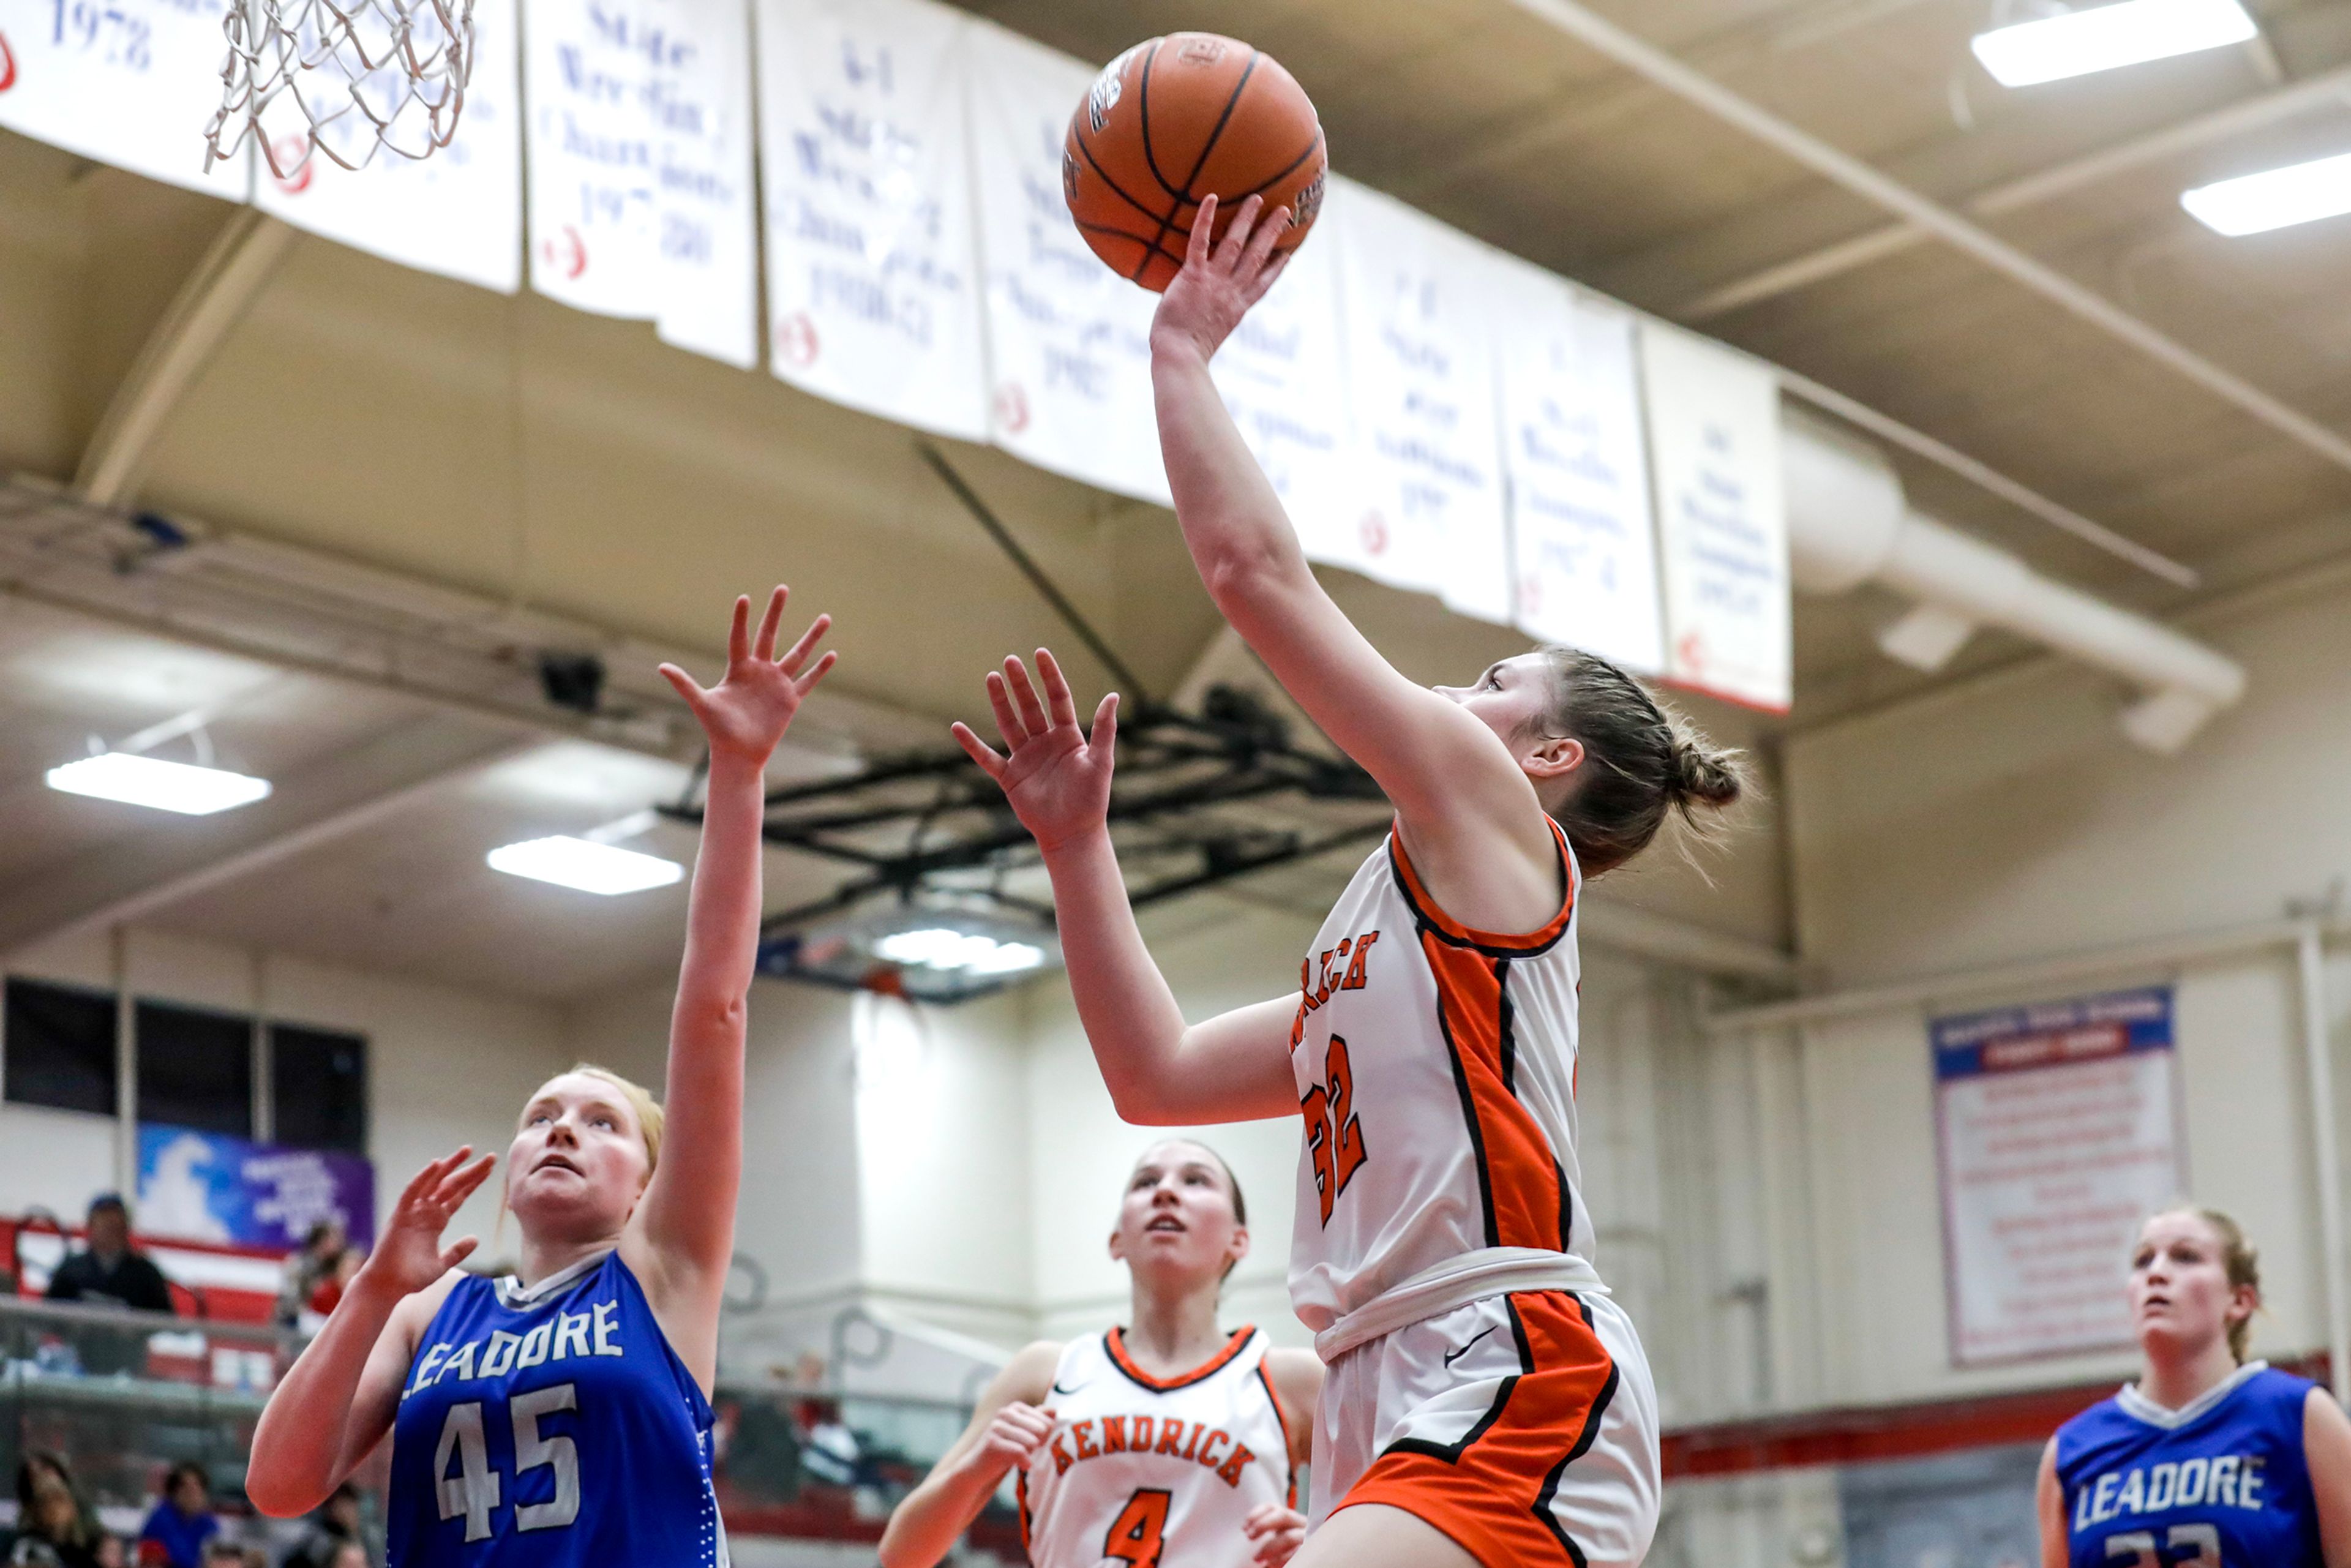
<point>1706,773</point>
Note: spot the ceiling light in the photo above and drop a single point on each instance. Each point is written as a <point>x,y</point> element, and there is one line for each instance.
<point>2252,204</point>
<point>2101,40</point>
<point>136,780</point>
<point>589,867</point>
<point>936,947</point>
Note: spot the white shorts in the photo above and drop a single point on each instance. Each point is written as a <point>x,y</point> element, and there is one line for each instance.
<point>1523,1427</point>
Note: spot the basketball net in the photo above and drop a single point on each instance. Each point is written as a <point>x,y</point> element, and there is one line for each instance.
<point>345,78</point>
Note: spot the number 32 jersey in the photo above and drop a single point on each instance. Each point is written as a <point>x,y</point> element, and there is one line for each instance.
<point>1435,1071</point>
<point>2219,1484</point>
<point>1150,1471</point>
<point>551,1428</point>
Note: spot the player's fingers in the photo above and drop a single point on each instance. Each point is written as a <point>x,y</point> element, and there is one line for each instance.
<point>1265,281</point>
<point>1268,235</point>
<point>798,653</point>
<point>1235,248</point>
<point>806,683</point>
<point>1204,224</point>
<point>1024,694</point>
<point>738,633</point>
<point>453,1256</point>
<point>763,646</point>
<point>684,684</point>
<point>979,751</point>
<point>1057,689</point>
<point>1105,733</point>
<point>457,1188</point>
<point>1007,723</point>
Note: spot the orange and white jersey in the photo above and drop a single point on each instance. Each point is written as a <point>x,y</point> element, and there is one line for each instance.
<point>1143,1469</point>
<point>1436,1070</point>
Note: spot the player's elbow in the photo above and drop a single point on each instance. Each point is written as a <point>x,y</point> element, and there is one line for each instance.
<point>1250,577</point>
<point>276,1496</point>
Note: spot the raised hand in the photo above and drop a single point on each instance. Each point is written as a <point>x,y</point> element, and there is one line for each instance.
<point>1219,282</point>
<point>1016,1433</point>
<point>409,1256</point>
<point>746,714</point>
<point>1056,776</point>
<point>1276,1532</point>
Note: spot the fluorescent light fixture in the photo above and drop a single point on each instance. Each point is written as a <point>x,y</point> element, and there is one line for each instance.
<point>2130,33</point>
<point>150,781</point>
<point>589,867</point>
<point>2276,199</point>
<point>936,947</point>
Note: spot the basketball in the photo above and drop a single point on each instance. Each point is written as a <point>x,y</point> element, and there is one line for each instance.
<point>1177,119</point>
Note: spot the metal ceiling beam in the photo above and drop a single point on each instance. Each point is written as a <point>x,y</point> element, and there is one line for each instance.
<point>1841,168</point>
<point>208,307</point>
<point>2013,195</point>
<point>143,872</point>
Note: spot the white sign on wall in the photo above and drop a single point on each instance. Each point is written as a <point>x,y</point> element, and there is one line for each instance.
<point>640,135</point>
<point>873,278</point>
<point>1415,297</point>
<point>1069,340</point>
<point>132,83</point>
<point>1281,377</point>
<point>1722,520</point>
<point>2058,1128</point>
<point>457,213</point>
<point>1583,544</point>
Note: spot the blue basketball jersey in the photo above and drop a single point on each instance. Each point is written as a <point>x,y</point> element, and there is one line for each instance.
<point>2220,1484</point>
<point>551,1428</point>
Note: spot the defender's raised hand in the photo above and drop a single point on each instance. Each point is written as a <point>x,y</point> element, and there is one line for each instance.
<point>1219,281</point>
<point>747,713</point>
<point>1056,776</point>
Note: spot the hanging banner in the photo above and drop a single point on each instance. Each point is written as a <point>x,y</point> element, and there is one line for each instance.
<point>640,135</point>
<point>457,213</point>
<point>1583,544</point>
<point>1069,340</point>
<point>1415,299</point>
<point>873,280</point>
<point>2058,1129</point>
<point>132,83</point>
<point>1722,520</point>
<point>1282,380</point>
<point>210,1187</point>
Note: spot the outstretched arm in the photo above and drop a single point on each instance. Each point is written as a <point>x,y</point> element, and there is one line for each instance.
<point>1005,1429</point>
<point>1463,798</point>
<point>682,1234</point>
<point>339,1398</point>
<point>1159,1071</point>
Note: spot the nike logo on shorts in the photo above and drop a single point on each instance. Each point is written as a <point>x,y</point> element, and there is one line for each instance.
<point>1453,1356</point>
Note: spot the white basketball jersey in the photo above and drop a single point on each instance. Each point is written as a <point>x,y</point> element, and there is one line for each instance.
<point>1154,1472</point>
<point>1436,1070</point>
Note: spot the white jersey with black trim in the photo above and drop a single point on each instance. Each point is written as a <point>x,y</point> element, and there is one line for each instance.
<point>1435,1071</point>
<point>1149,1470</point>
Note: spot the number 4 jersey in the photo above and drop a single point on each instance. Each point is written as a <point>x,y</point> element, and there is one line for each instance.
<point>1158,1472</point>
<point>551,1428</point>
<point>2219,1484</point>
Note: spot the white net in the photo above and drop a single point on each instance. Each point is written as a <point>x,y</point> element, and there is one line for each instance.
<point>345,78</point>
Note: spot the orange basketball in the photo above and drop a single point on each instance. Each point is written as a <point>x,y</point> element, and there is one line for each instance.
<point>1177,119</point>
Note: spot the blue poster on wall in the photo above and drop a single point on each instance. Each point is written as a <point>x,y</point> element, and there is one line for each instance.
<point>209,1187</point>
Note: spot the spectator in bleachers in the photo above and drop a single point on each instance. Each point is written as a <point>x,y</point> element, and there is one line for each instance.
<point>350,1554</point>
<point>45,1462</point>
<point>179,1532</point>
<point>316,1275</point>
<point>222,1555</point>
<point>335,1526</point>
<point>110,1271</point>
<point>53,1533</point>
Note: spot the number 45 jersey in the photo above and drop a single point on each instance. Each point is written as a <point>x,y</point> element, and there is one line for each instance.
<point>2219,1484</point>
<point>1155,1472</point>
<point>551,1428</point>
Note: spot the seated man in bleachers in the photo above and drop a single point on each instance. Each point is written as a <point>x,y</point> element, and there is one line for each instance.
<point>109,1272</point>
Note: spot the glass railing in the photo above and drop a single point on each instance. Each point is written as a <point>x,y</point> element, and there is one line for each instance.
<point>122,1395</point>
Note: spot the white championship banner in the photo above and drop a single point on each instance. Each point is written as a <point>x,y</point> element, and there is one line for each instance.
<point>457,213</point>
<point>872,278</point>
<point>2058,1129</point>
<point>1069,340</point>
<point>1722,517</point>
<point>1414,298</point>
<point>1583,543</point>
<point>132,83</point>
<point>640,142</point>
<point>1282,381</point>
